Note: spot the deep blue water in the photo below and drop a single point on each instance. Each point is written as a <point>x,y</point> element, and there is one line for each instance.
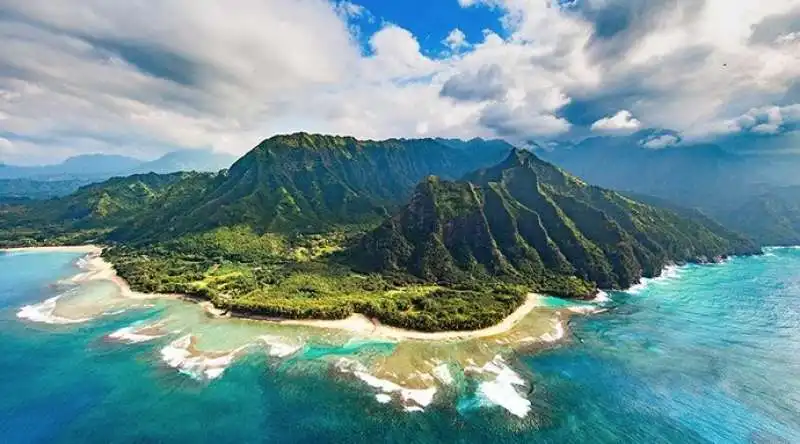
<point>712,355</point>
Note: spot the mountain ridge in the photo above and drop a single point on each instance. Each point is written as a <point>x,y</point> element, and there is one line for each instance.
<point>525,219</point>
<point>425,234</point>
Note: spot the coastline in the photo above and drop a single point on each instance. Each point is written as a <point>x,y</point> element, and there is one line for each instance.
<point>359,324</point>
<point>88,249</point>
<point>94,267</point>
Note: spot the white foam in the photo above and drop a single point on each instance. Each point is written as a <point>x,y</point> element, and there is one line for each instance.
<point>43,312</point>
<point>556,334</point>
<point>383,398</point>
<point>130,334</point>
<point>421,397</point>
<point>442,373</point>
<point>277,348</point>
<point>601,298</point>
<point>584,309</point>
<point>668,273</point>
<point>179,356</point>
<point>502,390</point>
<point>638,288</point>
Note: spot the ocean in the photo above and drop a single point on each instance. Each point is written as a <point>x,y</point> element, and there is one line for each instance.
<point>705,354</point>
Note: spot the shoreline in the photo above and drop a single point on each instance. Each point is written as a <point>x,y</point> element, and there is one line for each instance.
<point>87,249</point>
<point>358,323</point>
<point>94,267</point>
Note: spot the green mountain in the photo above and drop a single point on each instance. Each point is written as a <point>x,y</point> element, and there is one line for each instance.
<point>526,221</point>
<point>38,189</point>
<point>300,227</point>
<point>87,213</point>
<point>307,183</point>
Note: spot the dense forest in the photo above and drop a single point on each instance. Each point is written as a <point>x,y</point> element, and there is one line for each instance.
<point>430,234</point>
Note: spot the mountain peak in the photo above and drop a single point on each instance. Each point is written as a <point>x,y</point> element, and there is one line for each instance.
<point>308,140</point>
<point>518,157</point>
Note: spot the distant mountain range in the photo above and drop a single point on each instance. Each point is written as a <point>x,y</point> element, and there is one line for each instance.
<point>752,193</point>
<point>42,182</point>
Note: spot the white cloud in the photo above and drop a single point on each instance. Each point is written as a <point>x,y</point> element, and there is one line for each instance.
<point>621,122</point>
<point>144,77</point>
<point>456,40</point>
<point>766,120</point>
<point>6,146</point>
<point>789,38</point>
<point>660,142</point>
<point>350,10</point>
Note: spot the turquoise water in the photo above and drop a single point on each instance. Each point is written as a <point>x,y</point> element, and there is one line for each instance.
<point>711,354</point>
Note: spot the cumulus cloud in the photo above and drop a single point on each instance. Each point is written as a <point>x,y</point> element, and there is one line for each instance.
<point>488,83</point>
<point>767,120</point>
<point>456,40</point>
<point>350,10</point>
<point>621,122</point>
<point>660,141</point>
<point>144,77</point>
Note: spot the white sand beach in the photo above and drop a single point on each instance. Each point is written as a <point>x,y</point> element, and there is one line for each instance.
<point>362,325</point>
<point>96,268</point>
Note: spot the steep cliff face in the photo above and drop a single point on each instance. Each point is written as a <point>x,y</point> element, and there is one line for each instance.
<point>304,182</point>
<point>525,220</point>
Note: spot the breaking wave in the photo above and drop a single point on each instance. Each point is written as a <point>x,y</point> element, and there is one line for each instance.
<point>44,312</point>
<point>502,390</point>
<point>412,400</point>
<point>181,355</point>
<point>277,348</point>
<point>668,273</point>
<point>134,334</point>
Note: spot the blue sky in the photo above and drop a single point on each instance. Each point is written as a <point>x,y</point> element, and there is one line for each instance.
<point>142,78</point>
<point>430,21</point>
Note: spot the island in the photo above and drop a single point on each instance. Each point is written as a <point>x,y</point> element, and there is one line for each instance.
<point>428,234</point>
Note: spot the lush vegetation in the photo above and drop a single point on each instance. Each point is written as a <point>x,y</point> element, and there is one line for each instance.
<point>273,276</point>
<point>90,214</point>
<point>11,189</point>
<point>311,183</point>
<point>526,221</point>
<point>300,228</point>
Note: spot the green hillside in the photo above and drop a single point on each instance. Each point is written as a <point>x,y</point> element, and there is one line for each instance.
<point>300,227</point>
<point>526,221</point>
<point>89,213</point>
<point>311,183</point>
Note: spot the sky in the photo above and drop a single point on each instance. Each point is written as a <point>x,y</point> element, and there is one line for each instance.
<point>143,77</point>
